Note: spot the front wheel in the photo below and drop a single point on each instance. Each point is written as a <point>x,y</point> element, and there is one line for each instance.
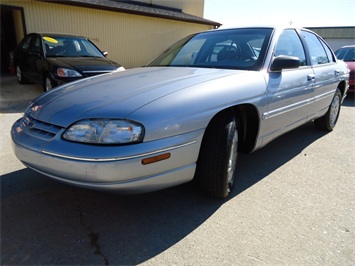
<point>329,120</point>
<point>216,165</point>
<point>47,83</point>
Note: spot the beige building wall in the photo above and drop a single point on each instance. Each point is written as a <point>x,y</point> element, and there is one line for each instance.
<point>131,40</point>
<point>194,7</point>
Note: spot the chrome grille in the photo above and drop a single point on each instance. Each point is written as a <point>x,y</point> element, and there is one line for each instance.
<point>90,73</point>
<point>39,129</point>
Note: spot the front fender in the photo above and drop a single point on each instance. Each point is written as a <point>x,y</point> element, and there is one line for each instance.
<point>193,108</point>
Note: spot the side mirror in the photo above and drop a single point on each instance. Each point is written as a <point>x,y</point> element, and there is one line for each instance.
<point>285,62</point>
<point>105,53</point>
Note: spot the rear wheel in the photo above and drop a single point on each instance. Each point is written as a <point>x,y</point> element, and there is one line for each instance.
<point>329,120</point>
<point>216,166</point>
<point>20,78</point>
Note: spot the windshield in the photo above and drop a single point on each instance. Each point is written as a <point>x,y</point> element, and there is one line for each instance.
<point>229,49</point>
<point>347,54</point>
<point>67,46</point>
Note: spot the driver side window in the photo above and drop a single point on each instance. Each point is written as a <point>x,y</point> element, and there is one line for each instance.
<point>289,44</point>
<point>26,44</point>
<point>35,45</point>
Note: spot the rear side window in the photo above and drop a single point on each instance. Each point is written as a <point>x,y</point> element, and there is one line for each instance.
<point>316,49</point>
<point>328,51</point>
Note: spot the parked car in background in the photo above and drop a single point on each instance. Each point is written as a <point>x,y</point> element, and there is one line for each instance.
<point>187,114</point>
<point>54,59</point>
<point>347,54</point>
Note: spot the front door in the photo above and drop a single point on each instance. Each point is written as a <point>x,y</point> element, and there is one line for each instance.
<point>290,92</point>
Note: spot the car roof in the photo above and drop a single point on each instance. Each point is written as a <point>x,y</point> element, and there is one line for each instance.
<point>265,26</point>
<point>243,27</point>
<point>277,28</point>
<point>348,46</point>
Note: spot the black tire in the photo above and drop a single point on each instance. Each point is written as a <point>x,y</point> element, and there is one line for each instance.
<point>216,165</point>
<point>48,83</point>
<point>20,78</point>
<point>328,121</point>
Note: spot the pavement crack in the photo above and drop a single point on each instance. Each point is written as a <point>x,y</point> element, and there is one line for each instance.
<point>93,236</point>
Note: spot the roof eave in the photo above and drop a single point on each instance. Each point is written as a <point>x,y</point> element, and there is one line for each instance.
<point>133,12</point>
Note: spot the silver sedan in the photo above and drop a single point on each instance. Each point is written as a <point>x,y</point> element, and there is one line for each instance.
<point>187,114</point>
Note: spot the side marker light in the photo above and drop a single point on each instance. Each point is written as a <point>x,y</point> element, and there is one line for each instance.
<point>156,158</point>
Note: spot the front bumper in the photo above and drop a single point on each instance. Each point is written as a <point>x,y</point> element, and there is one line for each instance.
<point>111,168</point>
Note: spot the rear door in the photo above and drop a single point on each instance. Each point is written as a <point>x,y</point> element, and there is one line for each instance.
<point>326,74</point>
<point>22,53</point>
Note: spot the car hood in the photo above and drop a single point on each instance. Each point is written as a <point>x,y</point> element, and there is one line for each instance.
<point>117,94</point>
<point>85,63</point>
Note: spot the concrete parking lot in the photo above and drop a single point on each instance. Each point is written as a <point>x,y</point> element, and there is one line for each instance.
<point>294,204</point>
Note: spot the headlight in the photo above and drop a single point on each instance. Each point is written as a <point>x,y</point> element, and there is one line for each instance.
<point>120,68</point>
<point>105,131</point>
<point>67,73</point>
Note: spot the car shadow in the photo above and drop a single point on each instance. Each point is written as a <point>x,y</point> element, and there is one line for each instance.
<point>46,222</point>
<point>349,101</point>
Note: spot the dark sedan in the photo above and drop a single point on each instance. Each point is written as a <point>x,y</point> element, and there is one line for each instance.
<point>54,59</point>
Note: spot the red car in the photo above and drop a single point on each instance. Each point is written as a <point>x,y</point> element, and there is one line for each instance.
<point>347,54</point>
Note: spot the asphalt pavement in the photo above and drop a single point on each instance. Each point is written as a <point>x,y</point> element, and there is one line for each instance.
<point>294,204</point>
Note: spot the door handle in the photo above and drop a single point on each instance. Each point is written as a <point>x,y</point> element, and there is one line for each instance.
<point>311,77</point>
<point>337,72</point>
